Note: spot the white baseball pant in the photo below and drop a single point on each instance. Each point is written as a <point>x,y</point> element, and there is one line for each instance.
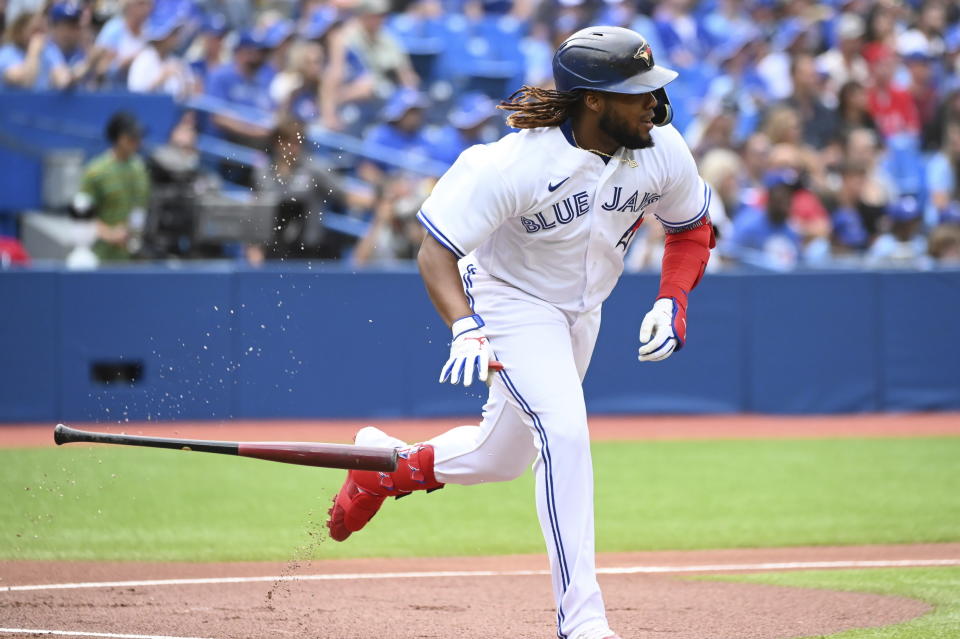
<point>535,412</point>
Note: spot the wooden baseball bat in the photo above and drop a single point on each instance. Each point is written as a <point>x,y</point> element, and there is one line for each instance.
<point>302,453</point>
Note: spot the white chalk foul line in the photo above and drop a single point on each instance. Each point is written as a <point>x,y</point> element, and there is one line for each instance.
<point>628,570</point>
<point>77,633</point>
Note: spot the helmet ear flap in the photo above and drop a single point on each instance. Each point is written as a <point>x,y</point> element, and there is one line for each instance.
<point>663,112</point>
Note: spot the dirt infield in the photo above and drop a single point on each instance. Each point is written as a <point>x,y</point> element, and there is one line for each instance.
<point>354,599</point>
<point>601,428</point>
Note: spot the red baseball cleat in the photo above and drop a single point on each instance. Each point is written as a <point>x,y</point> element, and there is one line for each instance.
<point>364,491</point>
<point>352,508</point>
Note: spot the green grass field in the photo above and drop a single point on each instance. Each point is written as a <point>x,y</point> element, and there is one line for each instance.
<point>139,504</point>
<point>937,586</point>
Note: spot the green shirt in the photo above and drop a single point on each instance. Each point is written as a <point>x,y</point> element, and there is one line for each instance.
<point>117,188</point>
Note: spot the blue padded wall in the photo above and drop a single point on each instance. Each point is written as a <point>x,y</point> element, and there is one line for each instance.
<point>813,343</point>
<point>29,346</point>
<point>341,345</point>
<point>918,320</point>
<point>176,323</point>
<point>219,342</point>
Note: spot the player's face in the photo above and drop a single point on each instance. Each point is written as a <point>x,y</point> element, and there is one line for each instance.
<point>627,119</point>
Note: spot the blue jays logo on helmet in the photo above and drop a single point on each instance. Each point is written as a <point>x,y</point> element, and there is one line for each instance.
<point>645,53</point>
<point>612,60</point>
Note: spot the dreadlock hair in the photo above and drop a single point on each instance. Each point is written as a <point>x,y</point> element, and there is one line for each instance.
<point>535,107</point>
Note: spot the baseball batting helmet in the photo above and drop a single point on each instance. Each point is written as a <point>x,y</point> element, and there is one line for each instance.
<point>613,60</point>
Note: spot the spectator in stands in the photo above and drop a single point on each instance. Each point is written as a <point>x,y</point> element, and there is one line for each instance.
<point>401,133</point>
<point>278,36</point>
<point>188,13</point>
<point>948,111</point>
<point>762,14</point>
<point>347,85</point>
<point>114,190</point>
<point>783,126</point>
<point>737,92</point>
<point>67,40</point>
<point>817,121</point>
<point>881,32</point>
<point>807,215</point>
<point>210,45</point>
<point>892,108</point>
<point>29,60</point>
<point>714,126</point>
<point>792,38</point>
<point>297,89</point>
<point>951,58</point>
<point>157,69</point>
<point>848,214</point>
<point>763,236</point>
<point>467,121</point>
<point>721,169</point>
<point>240,84</point>
<point>394,234</point>
<point>121,39</point>
<point>923,82</point>
<point>927,32</point>
<point>878,189</point>
<point>755,153</point>
<point>729,16</point>
<point>844,63</point>
<point>685,42</point>
<point>944,244</point>
<point>943,170</point>
<point>304,188</point>
<point>381,54</point>
<point>852,112</point>
<point>903,245</point>
<point>239,14</point>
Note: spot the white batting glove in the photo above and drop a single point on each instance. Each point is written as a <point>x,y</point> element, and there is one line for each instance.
<point>469,352</point>
<point>663,330</point>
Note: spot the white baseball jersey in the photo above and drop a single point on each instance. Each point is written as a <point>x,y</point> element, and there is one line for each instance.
<point>554,220</point>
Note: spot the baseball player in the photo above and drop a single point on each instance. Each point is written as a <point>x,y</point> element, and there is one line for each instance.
<point>526,240</point>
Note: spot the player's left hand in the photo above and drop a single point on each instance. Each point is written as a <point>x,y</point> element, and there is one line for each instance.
<point>663,331</point>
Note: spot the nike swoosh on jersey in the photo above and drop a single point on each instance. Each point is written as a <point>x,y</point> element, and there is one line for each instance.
<point>554,187</point>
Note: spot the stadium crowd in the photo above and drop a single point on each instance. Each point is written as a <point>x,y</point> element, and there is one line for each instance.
<point>829,131</point>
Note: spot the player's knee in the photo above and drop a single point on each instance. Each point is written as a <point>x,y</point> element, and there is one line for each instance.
<point>565,431</point>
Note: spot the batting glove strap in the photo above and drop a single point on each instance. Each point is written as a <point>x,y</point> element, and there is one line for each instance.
<point>466,324</point>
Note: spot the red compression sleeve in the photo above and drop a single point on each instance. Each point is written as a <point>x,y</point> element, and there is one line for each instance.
<point>685,256</point>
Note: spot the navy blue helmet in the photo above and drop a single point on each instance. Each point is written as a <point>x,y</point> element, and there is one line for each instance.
<point>614,60</point>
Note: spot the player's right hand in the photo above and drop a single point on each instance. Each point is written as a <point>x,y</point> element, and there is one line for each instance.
<point>469,352</point>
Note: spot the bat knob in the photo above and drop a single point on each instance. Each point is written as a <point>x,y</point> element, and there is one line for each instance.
<point>58,434</point>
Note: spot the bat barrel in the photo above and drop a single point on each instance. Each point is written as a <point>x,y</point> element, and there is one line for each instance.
<point>324,455</point>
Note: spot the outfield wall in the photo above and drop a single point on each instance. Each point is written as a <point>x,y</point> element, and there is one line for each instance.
<point>219,342</point>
